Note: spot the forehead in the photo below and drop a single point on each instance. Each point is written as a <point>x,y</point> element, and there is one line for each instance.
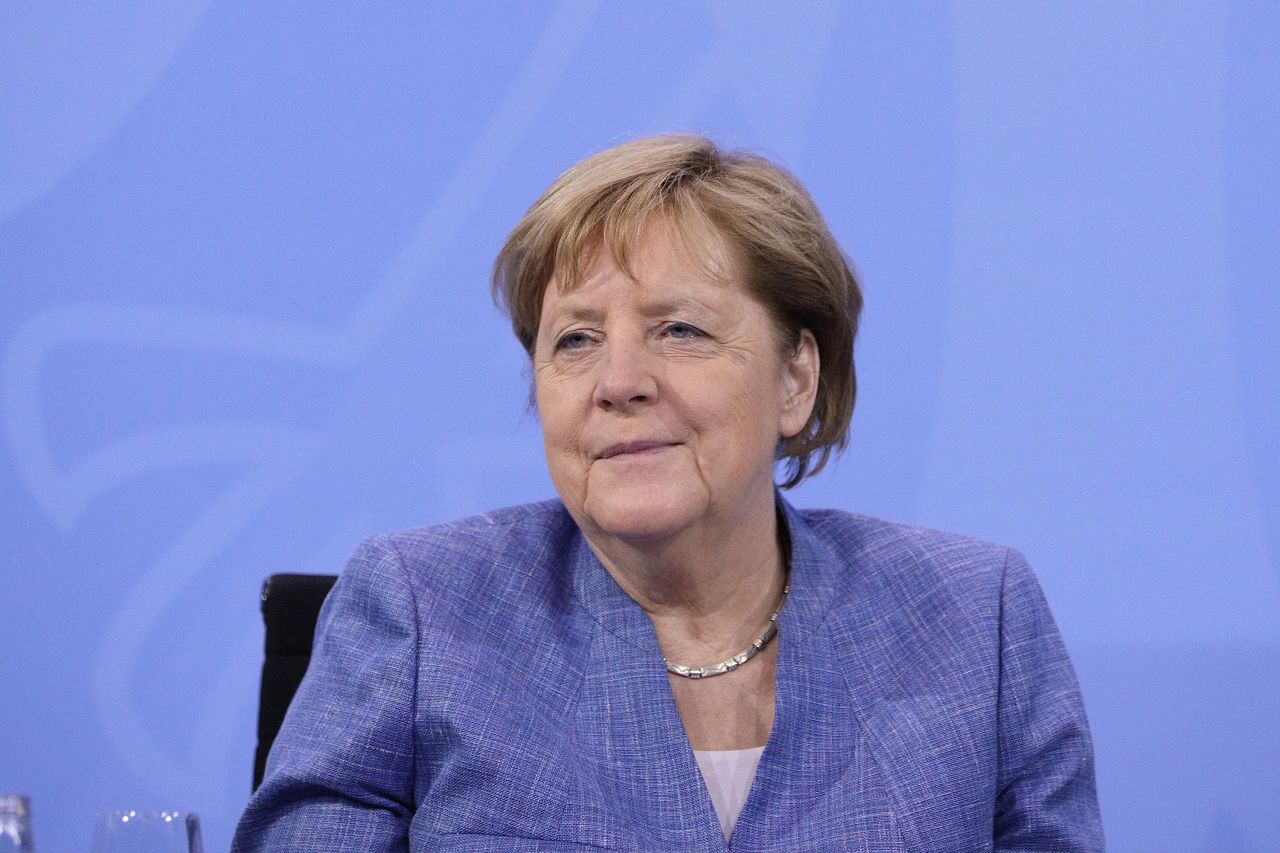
<point>662,259</point>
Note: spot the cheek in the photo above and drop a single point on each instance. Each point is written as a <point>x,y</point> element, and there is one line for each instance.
<point>738,413</point>
<point>562,424</point>
<point>557,429</point>
<point>565,463</point>
<point>756,421</point>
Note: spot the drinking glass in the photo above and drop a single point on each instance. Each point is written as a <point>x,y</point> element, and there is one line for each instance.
<point>147,832</point>
<point>15,824</point>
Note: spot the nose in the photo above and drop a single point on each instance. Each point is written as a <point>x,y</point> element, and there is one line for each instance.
<point>626,377</point>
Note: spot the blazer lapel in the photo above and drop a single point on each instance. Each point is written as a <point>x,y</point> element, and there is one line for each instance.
<point>818,782</point>
<point>628,724</point>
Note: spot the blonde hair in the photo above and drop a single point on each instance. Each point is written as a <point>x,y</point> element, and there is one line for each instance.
<point>790,262</point>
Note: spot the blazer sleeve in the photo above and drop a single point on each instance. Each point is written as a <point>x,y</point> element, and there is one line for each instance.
<point>340,773</point>
<point>1046,796</point>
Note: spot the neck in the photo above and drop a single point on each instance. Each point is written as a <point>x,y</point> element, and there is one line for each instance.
<point>709,591</point>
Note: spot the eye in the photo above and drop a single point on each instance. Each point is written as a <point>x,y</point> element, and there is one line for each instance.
<point>573,340</point>
<point>682,331</point>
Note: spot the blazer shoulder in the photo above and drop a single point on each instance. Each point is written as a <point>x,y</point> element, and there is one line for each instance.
<point>504,554</point>
<point>909,558</point>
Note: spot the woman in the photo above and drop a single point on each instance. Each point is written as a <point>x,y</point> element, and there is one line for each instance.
<point>670,656</point>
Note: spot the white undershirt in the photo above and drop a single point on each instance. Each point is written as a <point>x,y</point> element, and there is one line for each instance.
<point>728,774</point>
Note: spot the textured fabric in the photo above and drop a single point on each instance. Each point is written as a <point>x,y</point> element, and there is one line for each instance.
<point>485,685</point>
<point>728,774</point>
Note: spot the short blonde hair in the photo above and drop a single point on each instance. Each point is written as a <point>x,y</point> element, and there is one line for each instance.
<point>790,262</point>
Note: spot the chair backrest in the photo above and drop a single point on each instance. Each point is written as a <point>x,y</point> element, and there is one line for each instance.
<point>290,607</point>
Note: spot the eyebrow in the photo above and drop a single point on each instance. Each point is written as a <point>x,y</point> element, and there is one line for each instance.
<point>584,314</point>
<point>580,314</point>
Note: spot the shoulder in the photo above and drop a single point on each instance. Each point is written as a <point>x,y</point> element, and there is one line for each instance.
<point>903,556</point>
<point>942,593</point>
<point>938,600</point>
<point>504,557</point>
<point>894,538</point>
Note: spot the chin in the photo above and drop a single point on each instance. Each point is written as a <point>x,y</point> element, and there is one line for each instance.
<point>644,513</point>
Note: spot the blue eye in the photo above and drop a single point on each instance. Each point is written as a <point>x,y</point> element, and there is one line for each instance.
<point>574,340</point>
<point>682,330</point>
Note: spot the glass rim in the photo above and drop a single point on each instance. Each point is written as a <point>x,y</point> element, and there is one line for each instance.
<point>19,803</point>
<point>125,815</point>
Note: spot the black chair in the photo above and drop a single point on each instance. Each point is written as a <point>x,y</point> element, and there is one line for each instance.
<point>290,606</point>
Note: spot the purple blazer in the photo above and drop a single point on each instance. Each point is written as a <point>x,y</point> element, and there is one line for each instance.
<point>485,685</point>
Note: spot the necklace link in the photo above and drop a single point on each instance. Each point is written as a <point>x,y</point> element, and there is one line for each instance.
<point>770,631</point>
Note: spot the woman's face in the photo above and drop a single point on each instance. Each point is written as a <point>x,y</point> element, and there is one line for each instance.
<point>663,397</point>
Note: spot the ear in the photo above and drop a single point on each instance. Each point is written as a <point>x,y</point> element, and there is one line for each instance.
<point>799,386</point>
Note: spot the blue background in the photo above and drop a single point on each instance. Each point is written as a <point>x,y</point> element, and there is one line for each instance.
<point>245,321</point>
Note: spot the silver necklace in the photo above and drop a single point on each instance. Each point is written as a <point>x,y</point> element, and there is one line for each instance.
<point>770,631</point>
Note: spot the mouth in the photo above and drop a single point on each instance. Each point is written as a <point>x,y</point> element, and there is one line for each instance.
<point>635,448</point>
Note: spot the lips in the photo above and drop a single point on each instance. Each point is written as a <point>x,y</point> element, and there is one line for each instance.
<point>634,447</point>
